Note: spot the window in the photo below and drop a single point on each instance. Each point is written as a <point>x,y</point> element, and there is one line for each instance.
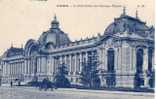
<point>150,52</point>
<point>139,58</point>
<point>110,60</point>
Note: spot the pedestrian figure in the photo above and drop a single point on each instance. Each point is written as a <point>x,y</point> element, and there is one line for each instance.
<point>11,83</point>
<point>19,83</point>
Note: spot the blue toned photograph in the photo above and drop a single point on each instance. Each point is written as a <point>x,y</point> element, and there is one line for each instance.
<point>77,49</point>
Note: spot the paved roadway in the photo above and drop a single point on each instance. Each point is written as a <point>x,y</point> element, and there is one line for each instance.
<point>34,93</point>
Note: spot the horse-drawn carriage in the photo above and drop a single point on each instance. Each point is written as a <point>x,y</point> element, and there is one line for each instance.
<point>46,84</point>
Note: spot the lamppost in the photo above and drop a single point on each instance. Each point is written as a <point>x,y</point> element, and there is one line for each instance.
<point>34,58</point>
<point>0,77</point>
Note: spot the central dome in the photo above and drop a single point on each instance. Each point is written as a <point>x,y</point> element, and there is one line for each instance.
<point>54,36</point>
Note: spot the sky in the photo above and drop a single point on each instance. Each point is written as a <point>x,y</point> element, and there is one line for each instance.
<point>21,20</point>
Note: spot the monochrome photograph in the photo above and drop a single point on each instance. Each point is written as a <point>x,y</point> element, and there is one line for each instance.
<point>77,49</point>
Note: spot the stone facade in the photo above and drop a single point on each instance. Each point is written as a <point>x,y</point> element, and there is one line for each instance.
<point>125,51</point>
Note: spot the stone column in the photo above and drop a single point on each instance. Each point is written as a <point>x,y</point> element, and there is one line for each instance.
<point>21,71</point>
<point>27,62</point>
<point>15,69</point>
<point>119,59</point>
<point>80,63</point>
<point>86,56</point>
<point>13,66</point>
<point>55,64</point>
<point>100,58</point>
<point>115,59</point>
<point>3,68</point>
<point>53,67</point>
<point>10,69</point>
<point>40,64</point>
<point>18,67</point>
<point>48,66</point>
<point>145,60</point>
<point>120,78</point>
<point>153,58</point>
<point>65,60</point>
<point>54,60</point>
<point>61,59</point>
<point>25,67</point>
<point>6,69</point>
<point>145,66</point>
<point>131,59</point>
<point>134,59</point>
<point>29,66</point>
<point>22,68</point>
<point>105,59</point>
<point>37,63</point>
<point>70,63</point>
<point>75,64</point>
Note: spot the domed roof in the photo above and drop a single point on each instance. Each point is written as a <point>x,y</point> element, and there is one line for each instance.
<point>126,23</point>
<point>13,51</point>
<point>54,35</point>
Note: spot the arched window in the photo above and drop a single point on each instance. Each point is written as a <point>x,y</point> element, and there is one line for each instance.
<point>139,80</point>
<point>151,73</point>
<point>139,58</point>
<point>110,79</point>
<point>110,60</point>
<point>150,52</point>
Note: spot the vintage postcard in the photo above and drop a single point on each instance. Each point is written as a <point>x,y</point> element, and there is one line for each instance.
<point>77,49</point>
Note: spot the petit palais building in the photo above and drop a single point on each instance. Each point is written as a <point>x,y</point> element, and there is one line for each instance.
<point>124,53</point>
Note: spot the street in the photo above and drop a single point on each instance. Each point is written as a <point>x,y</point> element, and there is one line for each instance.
<point>34,93</point>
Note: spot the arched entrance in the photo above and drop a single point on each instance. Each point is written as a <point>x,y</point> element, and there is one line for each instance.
<point>150,52</point>
<point>110,80</point>
<point>33,62</point>
<point>151,73</point>
<point>139,80</point>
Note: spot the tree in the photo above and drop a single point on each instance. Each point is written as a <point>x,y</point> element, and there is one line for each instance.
<point>46,83</point>
<point>89,75</point>
<point>152,79</point>
<point>85,75</point>
<point>60,79</point>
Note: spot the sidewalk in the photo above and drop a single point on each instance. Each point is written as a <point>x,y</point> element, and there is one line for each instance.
<point>106,91</point>
<point>74,90</point>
